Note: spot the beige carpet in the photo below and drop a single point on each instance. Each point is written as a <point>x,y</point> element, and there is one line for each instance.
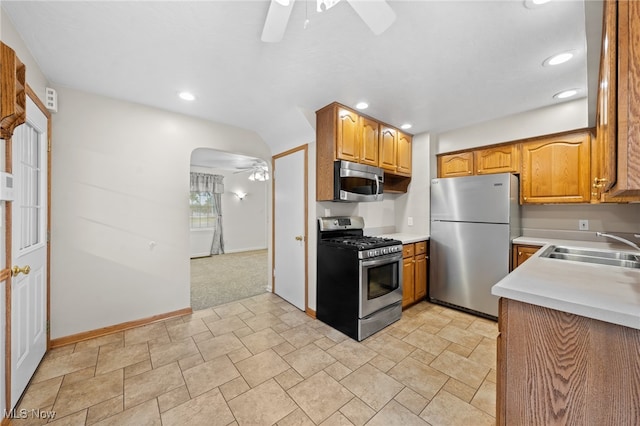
<point>224,278</point>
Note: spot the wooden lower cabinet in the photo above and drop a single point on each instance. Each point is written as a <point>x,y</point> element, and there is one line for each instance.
<point>556,368</point>
<point>415,272</point>
<point>520,253</point>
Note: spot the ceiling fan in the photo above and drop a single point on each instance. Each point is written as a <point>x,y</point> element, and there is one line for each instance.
<point>377,14</point>
<point>258,171</point>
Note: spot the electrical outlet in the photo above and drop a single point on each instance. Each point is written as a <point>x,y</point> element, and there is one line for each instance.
<point>410,221</point>
<point>327,212</point>
<point>583,225</point>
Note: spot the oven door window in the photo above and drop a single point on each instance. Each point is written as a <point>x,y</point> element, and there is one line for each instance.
<point>382,280</point>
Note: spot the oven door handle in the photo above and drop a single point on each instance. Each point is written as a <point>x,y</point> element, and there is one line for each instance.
<point>382,260</point>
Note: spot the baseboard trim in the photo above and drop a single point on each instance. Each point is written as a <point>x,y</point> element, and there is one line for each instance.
<point>311,313</point>
<point>86,335</point>
<point>6,421</point>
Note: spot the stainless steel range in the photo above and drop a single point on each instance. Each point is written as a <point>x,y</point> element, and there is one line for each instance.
<point>359,278</point>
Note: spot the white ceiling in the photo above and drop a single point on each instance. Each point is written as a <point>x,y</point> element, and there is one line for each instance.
<point>442,65</point>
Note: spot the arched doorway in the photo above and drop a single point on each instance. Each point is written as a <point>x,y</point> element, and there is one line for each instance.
<point>228,228</point>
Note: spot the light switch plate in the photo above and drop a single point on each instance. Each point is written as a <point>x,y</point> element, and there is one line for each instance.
<point>410,221</point>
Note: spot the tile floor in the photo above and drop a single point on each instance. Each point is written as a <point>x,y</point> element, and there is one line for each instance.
<point>261,361</point>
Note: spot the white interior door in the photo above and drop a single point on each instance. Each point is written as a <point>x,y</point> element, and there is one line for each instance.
<point>290,240</point>
<point>28,249</point>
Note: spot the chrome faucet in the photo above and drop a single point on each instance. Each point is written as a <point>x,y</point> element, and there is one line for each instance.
<point>622,240</point>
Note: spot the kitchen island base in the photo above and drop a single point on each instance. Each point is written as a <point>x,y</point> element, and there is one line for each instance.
<point>559,368</point>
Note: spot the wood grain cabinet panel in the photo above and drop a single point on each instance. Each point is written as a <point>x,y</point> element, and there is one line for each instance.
<point>369,146</point>
<point>421,273</point>
<point>403,154</point>
<point>557,368</point>
<point>521,253</point>
<point>415,272</point>
<point>348,138</point>
<point>408,282</point>
<point>388,148</point>
<point>13,95</point>
<point>459,164</point>
<point>500,159</point>
<point>616,171</point>
<point>556,169</point>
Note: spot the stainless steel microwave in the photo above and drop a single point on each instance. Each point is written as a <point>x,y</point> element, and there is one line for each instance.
<point>357,182</point>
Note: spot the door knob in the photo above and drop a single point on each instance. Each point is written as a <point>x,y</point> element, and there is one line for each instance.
<point>299,238</point>
<point>16,270</point>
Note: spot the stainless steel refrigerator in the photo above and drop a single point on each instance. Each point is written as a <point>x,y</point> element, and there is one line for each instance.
<point>473,220</point>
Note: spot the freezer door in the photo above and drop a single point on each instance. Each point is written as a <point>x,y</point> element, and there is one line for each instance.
<point>485,198</point>
<point>467,259</point>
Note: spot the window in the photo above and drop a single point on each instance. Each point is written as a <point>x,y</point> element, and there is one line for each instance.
<point>202,212</point>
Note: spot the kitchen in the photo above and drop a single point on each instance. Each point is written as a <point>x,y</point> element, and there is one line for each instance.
<point>392,215</point>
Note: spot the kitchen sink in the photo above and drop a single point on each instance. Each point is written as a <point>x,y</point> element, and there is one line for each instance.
<point>613,258</point>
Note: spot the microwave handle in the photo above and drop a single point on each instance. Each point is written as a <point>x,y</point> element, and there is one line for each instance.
<point>350,196</point>
<point>377,186</point>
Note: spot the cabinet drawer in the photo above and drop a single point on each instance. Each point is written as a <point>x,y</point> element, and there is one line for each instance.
<point>408,250</point>
<point>420,247</point>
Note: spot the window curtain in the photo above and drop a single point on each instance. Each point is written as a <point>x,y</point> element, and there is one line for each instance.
<point>213,184</point>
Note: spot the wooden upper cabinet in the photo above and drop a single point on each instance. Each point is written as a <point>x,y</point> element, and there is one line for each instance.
<point>556,169</point>
<point>348,137</point>
<point>369,131</point>
<point>13,95</point>
<point>499,159</point>
<point>460,164</point>
<point>404,153</point>
<point>604,163</point>
<point>388,148</point>
<point>628,100</point>
<point>344,134</point>
<point>616,164</point>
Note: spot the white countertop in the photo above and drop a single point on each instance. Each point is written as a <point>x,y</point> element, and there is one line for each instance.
<point>406,238</point>
<point>602,292</point>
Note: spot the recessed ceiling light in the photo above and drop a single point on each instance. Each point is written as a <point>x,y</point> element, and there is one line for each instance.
<point>405,126</point>
<point>566,94</point>
<point>560,58</point>
<point>362,105</point>
<point>532,4</point>
<point>186,96</point>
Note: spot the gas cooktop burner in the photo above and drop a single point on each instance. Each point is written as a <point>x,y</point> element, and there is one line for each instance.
<point>362,242</point>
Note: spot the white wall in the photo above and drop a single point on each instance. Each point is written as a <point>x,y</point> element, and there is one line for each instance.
<point>120,234</point>
<point>9,36</point>
<point>120,237</point>
<point>245,222</point>
<point>543,121</point>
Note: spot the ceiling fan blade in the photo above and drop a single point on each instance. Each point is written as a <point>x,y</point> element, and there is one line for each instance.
<point>377,14</point>
<point>276,22</point>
